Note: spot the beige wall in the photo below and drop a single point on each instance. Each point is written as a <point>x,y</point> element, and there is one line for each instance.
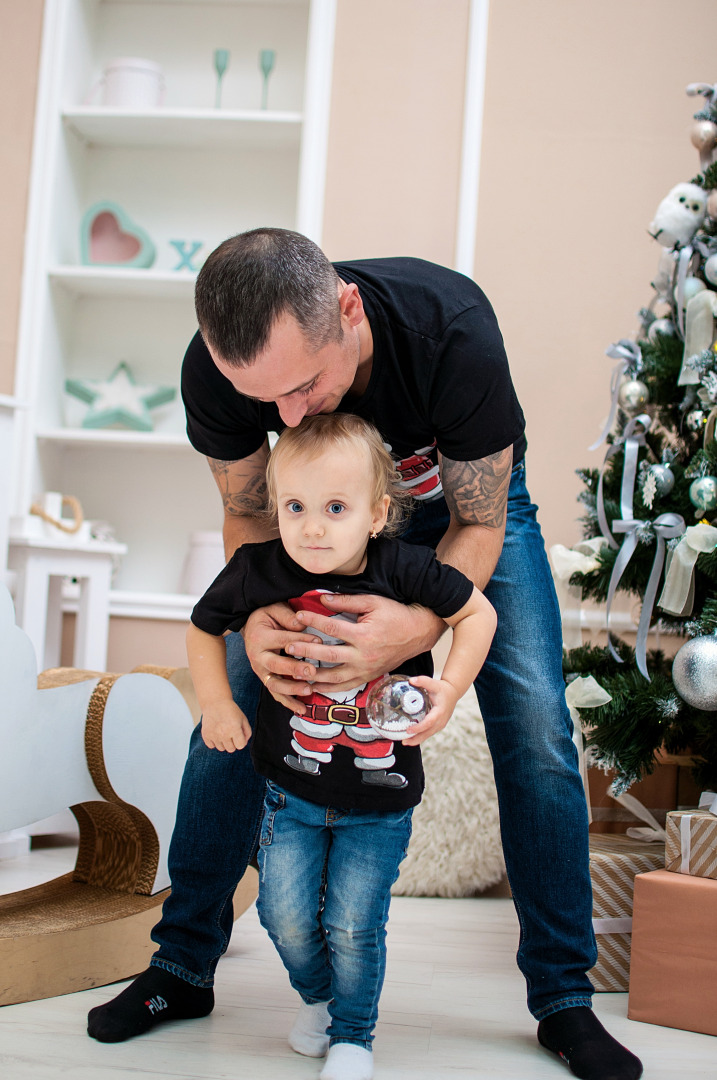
<point>585,129</point>
<point>395,135</point>
<point>19,53</point>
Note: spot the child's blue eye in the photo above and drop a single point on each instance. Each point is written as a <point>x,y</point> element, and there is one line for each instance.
<point>294,507</point>
<point>336,508</point>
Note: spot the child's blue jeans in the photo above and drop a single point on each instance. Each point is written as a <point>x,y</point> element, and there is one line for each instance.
<point>325,877</point>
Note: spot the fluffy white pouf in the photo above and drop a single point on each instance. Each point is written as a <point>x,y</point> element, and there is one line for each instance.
<point>455,849</point>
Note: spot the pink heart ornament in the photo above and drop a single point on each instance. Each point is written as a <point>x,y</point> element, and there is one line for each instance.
<point>109,237</point>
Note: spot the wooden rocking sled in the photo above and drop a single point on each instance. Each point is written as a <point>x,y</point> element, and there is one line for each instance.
<point>112,748</point>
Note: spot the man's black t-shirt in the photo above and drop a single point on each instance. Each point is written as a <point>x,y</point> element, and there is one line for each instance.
<point>355,768</point>
<point>439,379</point>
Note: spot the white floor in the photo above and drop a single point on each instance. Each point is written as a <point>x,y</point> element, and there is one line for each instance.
<point>453,1006</point>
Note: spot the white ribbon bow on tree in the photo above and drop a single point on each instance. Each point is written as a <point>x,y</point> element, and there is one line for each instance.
<point>583,558</point>
<point>585,692</point>
<point>678,593</point>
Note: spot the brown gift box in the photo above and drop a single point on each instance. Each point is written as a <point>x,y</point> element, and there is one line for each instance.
<point>673,976</point>
<point>691,846</point>
<point>614,862</point>
<point>670,785</point>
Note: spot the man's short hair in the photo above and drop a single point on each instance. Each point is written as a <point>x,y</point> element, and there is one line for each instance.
<point>252,279</point>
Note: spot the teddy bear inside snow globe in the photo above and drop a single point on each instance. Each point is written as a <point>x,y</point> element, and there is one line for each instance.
<point>394,707</point>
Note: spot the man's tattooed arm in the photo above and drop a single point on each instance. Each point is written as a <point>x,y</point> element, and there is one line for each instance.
<point>476,494</point>
<point>242,486</point>
<point>477,491</point>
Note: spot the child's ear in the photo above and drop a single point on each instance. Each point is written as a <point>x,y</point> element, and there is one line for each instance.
<point>380,514</point>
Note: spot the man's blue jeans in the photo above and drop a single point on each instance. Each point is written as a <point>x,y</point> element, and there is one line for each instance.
<point>326,877</point>
<point>542,805</point>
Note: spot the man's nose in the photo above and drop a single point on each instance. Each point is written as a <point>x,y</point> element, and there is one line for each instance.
<point>292,410</point>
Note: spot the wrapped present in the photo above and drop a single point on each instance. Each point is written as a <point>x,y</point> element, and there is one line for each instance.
<point>673,974</point>
<point>614,862</point>
<point>691,846</point>
<point>670,785</point>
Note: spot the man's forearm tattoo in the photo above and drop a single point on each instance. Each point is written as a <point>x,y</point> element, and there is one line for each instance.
<point>477,491</point>
<point>243,492</point>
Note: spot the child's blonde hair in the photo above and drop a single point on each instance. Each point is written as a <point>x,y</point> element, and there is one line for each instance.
<point>316,434</point>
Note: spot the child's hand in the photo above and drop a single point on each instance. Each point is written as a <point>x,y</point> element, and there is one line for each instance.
<point>443,696</point>
<point>225,727</point>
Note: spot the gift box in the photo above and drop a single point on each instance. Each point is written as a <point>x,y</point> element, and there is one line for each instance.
<point>673,974</point>
<point>670,785</point>
<point>691,845</point>
<point>614,862</point>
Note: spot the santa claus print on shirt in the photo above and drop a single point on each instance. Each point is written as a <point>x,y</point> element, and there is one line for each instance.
<point>419,472</point>
<point>339,719</point>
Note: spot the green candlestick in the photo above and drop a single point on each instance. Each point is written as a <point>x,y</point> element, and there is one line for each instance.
<point>266,63</point>
<point>221,63</point>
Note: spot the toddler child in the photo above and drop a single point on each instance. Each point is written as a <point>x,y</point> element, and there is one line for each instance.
<point>339,799</point>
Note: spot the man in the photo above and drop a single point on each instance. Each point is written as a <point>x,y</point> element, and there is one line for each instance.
<point>416,349</point>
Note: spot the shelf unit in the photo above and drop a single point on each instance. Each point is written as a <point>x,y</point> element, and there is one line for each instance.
<point>208,129</point>
<point>183,171</point>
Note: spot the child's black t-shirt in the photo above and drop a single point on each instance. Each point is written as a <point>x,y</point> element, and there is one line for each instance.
<point>262,574</point>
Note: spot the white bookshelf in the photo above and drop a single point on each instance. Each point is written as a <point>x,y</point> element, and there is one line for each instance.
<point>206,129</point>
<point>185,170</point>
<point>109,282</point>
<point>127,440</point>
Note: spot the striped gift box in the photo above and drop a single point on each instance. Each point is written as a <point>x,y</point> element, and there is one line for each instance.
<point>614,862</point>
<point>691,846</point>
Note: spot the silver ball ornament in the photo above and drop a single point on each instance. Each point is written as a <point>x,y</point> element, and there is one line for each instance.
<point>710,269</point>
<point>703,135</point>
<point>664,479</point>
<point>703,493</point>
<point>661,326</point>
<point>691,287</point>
<point>694,672</point>
<point>633,395</point>
<point>394,707</point>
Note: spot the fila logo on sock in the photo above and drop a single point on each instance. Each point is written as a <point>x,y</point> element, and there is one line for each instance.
<point>156,1004</point>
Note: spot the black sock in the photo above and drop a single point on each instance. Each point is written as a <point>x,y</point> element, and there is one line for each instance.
<point>590,1051</point>
<point>155,996</point>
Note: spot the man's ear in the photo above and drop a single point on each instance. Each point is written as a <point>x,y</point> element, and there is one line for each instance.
<point>351,304</point>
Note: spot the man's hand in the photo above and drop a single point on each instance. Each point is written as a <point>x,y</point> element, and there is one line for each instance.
<point>386,634</point>
<point>267,631</point>
<point>225,727</point>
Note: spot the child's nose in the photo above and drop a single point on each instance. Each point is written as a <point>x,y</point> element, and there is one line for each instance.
<point>313,526</point>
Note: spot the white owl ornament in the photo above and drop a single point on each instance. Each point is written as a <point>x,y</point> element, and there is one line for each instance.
<point>679,215</point>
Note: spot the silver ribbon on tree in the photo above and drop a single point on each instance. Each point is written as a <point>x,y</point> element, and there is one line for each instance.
<point>630,356</point>
<point>631,440</point>
<point>666,526</point>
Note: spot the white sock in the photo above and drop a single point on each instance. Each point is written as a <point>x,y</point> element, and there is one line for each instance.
<point>308,1035</point>
<point>346,1061</point>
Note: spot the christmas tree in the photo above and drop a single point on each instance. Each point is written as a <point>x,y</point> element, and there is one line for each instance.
<point>650,511</point>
